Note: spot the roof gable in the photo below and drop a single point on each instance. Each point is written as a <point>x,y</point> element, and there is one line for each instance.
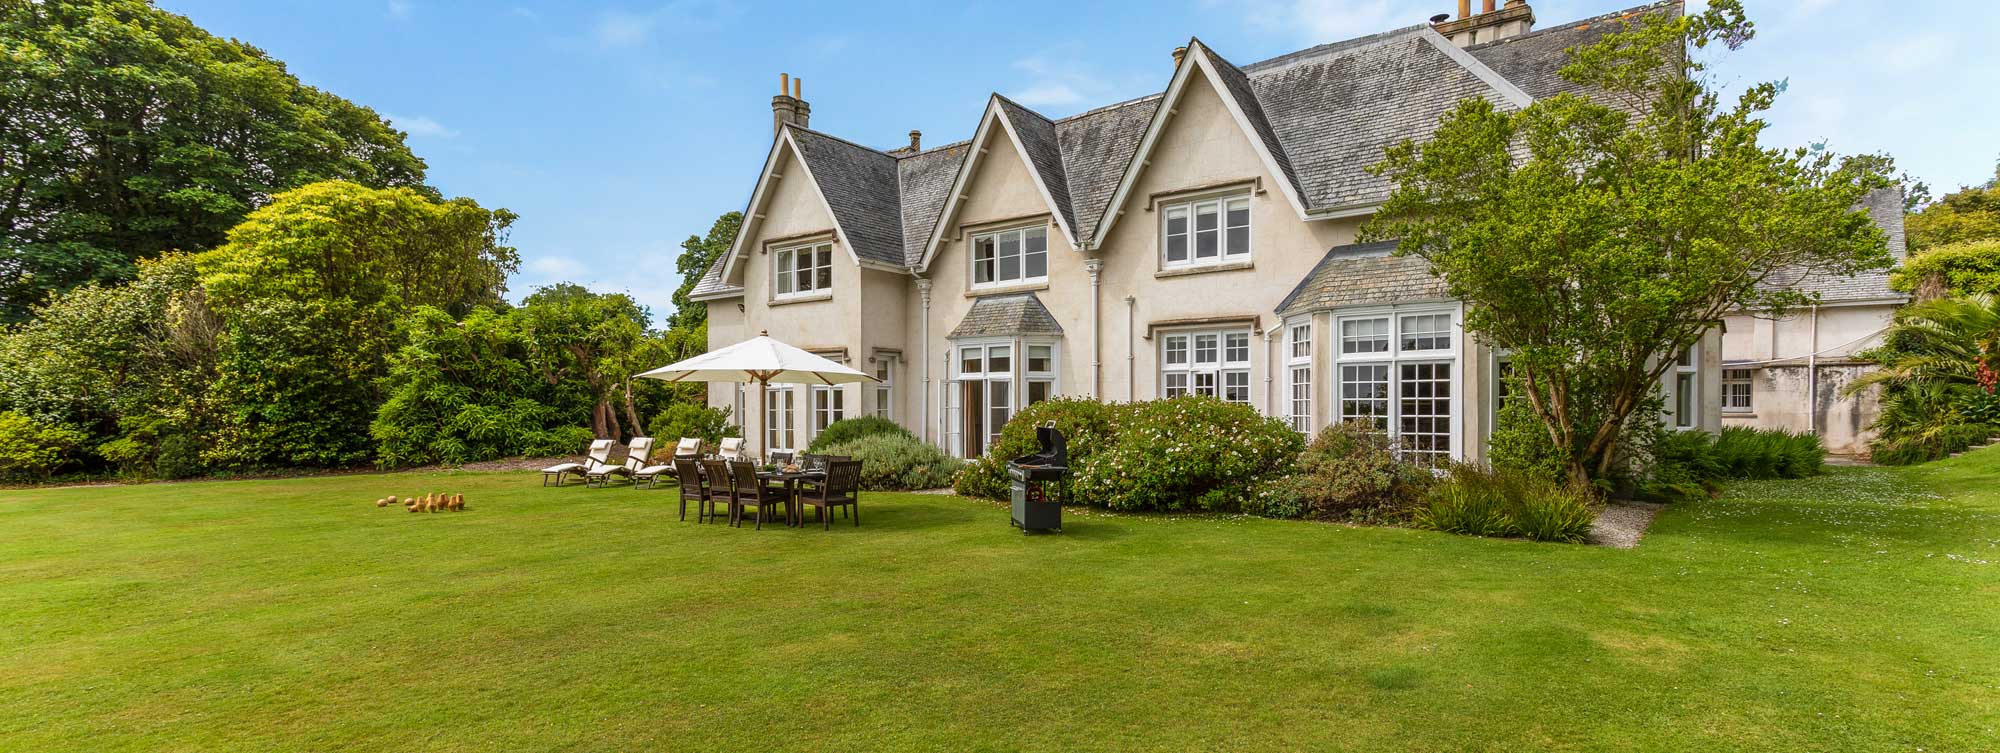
<point>1036,143</point>
<point>860,188</point>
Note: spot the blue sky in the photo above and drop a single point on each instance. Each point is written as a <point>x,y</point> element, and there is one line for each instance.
<point>618,129</point>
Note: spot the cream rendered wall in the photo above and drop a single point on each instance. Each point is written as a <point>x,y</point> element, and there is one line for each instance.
<point>882,316</point>
<point>1000,194</point>
<point>1786,394</point>
<point>793,209</point>
<point>1200,146</point>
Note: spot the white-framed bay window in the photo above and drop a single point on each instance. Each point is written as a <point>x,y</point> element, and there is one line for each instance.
<point>1298,372</point>
<point>780,407</point>
<point>1015,256</point>
<point>829,404</point>
<point>991,379</point>
<point>1399,370</point>
<point>802,271</point>
<point>1206,362</point>
<point>1205,231</point>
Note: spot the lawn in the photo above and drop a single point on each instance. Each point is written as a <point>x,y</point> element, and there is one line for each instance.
<point>1856,611</point>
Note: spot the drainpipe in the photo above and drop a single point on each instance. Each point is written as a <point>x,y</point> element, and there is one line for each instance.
<point>1812,376</point>
<point>924,294</point>
<point>1131,356</point>
<point>1096,269</point>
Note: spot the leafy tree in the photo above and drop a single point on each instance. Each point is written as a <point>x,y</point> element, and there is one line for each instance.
<point>1968,215</point>
<point>593,342</point>
<point>33,450</point>
<point>1956,269</point>
<point>460,391</point>
<point>1940,373</point>
<point>127,131</point>
<point>1594,237</point>
<point>698,253</point>
<point>310,288</point>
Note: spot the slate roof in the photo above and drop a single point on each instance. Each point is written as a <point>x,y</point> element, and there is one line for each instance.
<point>1006,315</point>
<point>1324,113</point>
<point>1885,206</point>
<point>1361,274</point>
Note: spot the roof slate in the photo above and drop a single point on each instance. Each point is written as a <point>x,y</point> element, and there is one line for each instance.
<point>1885,207</point>
<point>1363,274</point>
<point>1044,148</point>
<point>1005,315</point>
<point>860,185</point>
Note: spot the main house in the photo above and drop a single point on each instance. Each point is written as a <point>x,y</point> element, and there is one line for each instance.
<point>1196,241</point>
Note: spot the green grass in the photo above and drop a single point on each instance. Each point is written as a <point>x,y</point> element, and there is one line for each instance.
<point>1854,611</point>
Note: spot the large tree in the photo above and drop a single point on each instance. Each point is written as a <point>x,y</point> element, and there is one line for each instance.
<point>593,342</point>
<point>1964,216</point>
<point>1594,237</point>
<point>127,131</point>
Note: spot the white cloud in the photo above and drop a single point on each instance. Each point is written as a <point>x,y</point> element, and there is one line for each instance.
<point>1913,53</point>
<point>422,126</point>
<point>523,12</point>
<point>619,29</point>
<point>646,274</point>
<point>1056,80</point>
<point>399,8</point>
<point>830,45</point>
<point>625,29</point>
<point>1047,95</point>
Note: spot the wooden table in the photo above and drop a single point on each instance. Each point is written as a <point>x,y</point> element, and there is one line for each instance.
<point>793,515</point>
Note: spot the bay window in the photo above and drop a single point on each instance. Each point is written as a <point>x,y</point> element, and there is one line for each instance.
<point>1213,363</point>
<point>1298,362</point>
<point>991,379</point>
<point>1397,371</point>
<point>1208,231</point>
<point>802,271</point>
<point>1010,257</point>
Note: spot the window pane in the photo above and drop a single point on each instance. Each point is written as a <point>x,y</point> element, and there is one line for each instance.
<point>982,259</point>
<point>1177,229</point>
<point>1206,234</point>
<point>999,359</point>
<point>1237,349</point>
<point>1040,359</point>
<point>1176,384</point>
<point>1010,256</point>
<point>971,361</point>
<point>1427,332</point>
<point>1236,386</point>
<point>825,279</point>
<point>1301,398</point>
<point>1424,423</point>
<point>1039,390</point>
<point>1204,349</point>
<point>1204,383</point>
<point>1239,227</point>
<point>1364,394</point>
<point>1177,349</point>
<point>1035,257</point>
<point>1302,341</point>
<point>1364,336</point>
<point>1684,400</point>
<point>784,267</point>
<point>803,279</point>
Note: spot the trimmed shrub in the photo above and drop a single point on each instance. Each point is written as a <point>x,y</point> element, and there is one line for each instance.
<point>847,430</point>
<point>1185,453</point>
<point>1477,501</point>
<point>694,420</point>
<point>1745,453</point>
<point>898,461</point>
<point>1348,472</point>
<point>1085,423</point>
<point>31,450</point>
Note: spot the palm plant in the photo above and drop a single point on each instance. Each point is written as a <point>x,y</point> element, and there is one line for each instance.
<point>1939,364</point>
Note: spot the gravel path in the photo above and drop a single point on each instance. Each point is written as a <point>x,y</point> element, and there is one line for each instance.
<point>1622,523</point>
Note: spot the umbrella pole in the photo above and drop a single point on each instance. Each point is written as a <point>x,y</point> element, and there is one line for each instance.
<point>763,415</point>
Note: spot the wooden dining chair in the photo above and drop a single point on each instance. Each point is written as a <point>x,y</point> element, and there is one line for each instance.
<point>687,474</point>
<point>750,491</point>
<point>842,489</point>
<point>715,474</point>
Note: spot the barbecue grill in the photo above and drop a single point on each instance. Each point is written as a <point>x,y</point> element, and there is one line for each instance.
<point>1040,481</point>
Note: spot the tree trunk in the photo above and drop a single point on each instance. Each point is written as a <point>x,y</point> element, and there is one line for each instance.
<point>632,414</point>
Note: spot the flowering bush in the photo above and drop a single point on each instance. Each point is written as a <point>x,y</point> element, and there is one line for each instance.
<point>896,462</point>
<point>1184,453</point>
<point>1085,423</point>
<point>1350,472</point>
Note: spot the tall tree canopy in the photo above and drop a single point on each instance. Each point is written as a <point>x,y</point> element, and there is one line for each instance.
<point>127,131</point>
<point>1594,237</point>
<point>698,253</point>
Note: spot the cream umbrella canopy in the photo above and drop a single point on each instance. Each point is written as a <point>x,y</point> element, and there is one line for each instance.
<point>759,360</point>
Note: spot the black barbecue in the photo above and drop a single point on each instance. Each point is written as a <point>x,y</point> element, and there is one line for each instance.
<point>1041,481</point>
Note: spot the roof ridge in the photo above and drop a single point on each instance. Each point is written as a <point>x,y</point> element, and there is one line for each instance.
<point>1635,10</point>
<point>1112,106</point>
<point>824,134</point>
<point>1295,57</point>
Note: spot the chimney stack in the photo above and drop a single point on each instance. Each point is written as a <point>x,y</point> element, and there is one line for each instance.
<point>788,106</point>
<point>1489,25</point>
<point>1179,54</point>
<point>916,141</point>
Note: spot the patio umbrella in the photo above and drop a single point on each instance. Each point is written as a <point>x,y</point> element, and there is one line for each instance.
<point>759,360</point>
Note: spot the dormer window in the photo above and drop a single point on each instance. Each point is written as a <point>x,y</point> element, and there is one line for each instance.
<point>1010,257</point>
<point>1207,231</point>
<point>802,271</point>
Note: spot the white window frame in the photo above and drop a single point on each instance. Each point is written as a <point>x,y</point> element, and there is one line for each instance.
<point>1298,372</point>
<point>885,389</point>
<point>829,404</point>
<point>1226,251</point>
<point>1023,278</point>
<point>1031,376</point>
<point>1216,376</point>
<point>780,417</point>
<point>784,271</point>
<point>1392,362</point>
<point>1745,377</point>
<point>1683,390</point>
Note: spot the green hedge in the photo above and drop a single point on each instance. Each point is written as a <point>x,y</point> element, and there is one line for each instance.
<point>32,450</point>
<point>849,429</point>
<point>898,462</point>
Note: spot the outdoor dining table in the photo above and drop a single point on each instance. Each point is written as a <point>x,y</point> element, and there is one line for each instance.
<point>791,479</point>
